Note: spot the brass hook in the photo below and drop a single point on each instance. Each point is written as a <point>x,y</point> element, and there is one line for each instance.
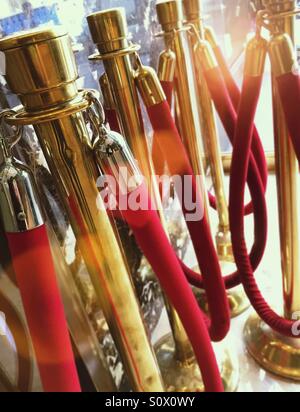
<point>7,143</point>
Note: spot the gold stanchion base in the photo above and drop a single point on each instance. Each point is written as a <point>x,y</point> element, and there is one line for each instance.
<point>275,353</point>
<point>185,376</point>
<point>238,301</point>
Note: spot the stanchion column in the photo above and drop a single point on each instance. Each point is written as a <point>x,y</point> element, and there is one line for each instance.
<point>276,353</point>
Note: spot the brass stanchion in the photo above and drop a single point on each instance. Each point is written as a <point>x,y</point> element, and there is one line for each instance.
<point>110,33</point>
<point>210,136</point>
<point>197,119</point>
<point>276,353</point>
<point>41,70</point>
<point>127,76</point>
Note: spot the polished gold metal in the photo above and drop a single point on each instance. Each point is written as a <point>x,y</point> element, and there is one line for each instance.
<point>109,31</point>
<point>205,54</point>
<point>149,86</point>
<point>202,52</point>
<point>227,158</point>
<point>275,353</point>
<point>108,98</point>
<point>80,327</point>
<point>288,198</point>
<point>279,6</point>
<point>41,72</point>
<point>55,84</point>
<point>271,351</point>
<point>192,120</point>
<point>209,35</point>
<point>177,42</point>
<point>125,76</point>
<point>282,54</point>
<point>256,53</point>
<point>167,66</point>
<point>203,58</point>
<point>193,12</point>
<point>186,377</point>
<point>170,15</point>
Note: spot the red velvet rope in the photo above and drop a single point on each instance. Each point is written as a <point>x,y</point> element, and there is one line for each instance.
<point>36,278</point>
<point>289,90</point>
<point>241,158</point>
<point>152,239</point>
<point>235,95</point>
<point>178,163</point>
<point>171,143</point>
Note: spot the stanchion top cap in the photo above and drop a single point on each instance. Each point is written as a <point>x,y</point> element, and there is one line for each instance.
<point>279,5</point>
<point>33,36</point>
<point>192,9</point>
<point>170,14</point>
<point>108,26</point>
<point>40,67</point>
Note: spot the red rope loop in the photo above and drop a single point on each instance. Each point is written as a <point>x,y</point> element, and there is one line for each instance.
<point>178,163</point>
<point>235,96</point>
<point>241,158</point>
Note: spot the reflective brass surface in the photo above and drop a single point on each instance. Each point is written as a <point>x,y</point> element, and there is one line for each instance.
<point>210,36</point>
<point>192,10</point>
<point>29,74</point>
<point>273,352</point>
<point>204,59</point>
<point>205,54</point>
<point>195,114</point>
<point>124,78</point>
<point>19,203</point>
<point>108,98</point>
<point>109,29</point>
<point>288,200</point>
<point>167,66</point>
<point>185,85</point>
<point>67,148</point>
<point>79,324</point>
<point>149,86</point>
<point>282,54</point>
<point>279,5</point>
<point>186,376</point>
<point>120,74</point>
<point>201,53</point>
<point>256,54</point>
<point>170,14</point>
<point>227,157</point>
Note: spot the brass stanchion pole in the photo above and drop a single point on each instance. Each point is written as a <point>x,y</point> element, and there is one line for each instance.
<point>193,15</point>
<point>210,136</point>
<point>274,352</point>
<point>41,70</point>
<point>196,116</point>
<point>175,64</point>
<point>110,33</point>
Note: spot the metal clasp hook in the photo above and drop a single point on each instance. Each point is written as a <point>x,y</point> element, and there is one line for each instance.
<point>8,142</point>
<point>95,115</point>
